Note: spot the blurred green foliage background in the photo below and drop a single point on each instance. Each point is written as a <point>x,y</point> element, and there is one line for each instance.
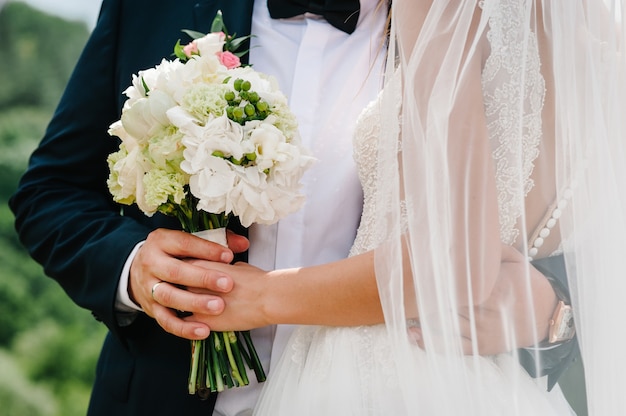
<point>48,346</point>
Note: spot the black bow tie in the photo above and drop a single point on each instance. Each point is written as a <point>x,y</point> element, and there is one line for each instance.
<point>342,14</point>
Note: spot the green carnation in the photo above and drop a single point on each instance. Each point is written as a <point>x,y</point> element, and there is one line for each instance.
<point>205,100</point>
<point>162,187</point>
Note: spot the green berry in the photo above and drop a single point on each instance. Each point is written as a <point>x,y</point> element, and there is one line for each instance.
<point>237,84</point>
<point>250,110</point>
<point>229,96</point>
<point>253,97</point>
<point>246,85</point>
<point>238,113</point>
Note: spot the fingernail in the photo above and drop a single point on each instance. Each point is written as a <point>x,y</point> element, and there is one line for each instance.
<point>226,257</point>
<point>222,283</point>
<point>201,332</point>
<point>213,304</point>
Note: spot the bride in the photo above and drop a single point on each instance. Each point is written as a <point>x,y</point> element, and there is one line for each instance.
<point>500,131</point>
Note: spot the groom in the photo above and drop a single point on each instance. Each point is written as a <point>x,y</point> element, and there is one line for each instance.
<point>109,263</point>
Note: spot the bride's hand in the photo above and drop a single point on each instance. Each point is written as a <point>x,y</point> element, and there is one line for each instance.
<point>244,305</point>
<point>510,305</point>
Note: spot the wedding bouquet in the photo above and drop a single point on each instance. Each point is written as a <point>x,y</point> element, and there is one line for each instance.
<point>204,139</point>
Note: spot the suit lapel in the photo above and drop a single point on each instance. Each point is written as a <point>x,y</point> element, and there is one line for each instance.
<point>237,15</point>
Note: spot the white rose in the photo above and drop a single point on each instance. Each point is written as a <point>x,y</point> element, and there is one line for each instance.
<point>210,44</point>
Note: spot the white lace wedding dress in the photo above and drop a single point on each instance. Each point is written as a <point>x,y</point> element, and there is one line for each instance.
<point>349,371</point>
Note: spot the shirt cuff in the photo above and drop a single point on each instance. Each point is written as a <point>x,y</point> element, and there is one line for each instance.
<point>123,303</point>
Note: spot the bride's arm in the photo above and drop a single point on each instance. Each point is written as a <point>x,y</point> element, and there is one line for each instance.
<point>341,293</point>
<point>344,293</point>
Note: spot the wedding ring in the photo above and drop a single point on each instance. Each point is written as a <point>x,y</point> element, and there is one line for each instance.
<point>154,288</point>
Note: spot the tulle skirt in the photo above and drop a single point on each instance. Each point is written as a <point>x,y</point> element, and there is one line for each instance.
<point>351,371</point>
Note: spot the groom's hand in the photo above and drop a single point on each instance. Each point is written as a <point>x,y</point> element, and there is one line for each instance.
<point>159,279</point>
<point>516,315</point>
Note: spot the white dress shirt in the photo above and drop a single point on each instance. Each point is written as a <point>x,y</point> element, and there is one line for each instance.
<point>329,77</point>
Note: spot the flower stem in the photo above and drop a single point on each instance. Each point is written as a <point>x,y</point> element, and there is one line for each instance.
<point>193,371</point>
<point>219,381</point>
<point>234,368</point>
<point>256,362</point>
<point>238,353</point>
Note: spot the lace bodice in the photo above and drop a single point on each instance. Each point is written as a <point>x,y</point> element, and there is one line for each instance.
<point>511,143</point>
<point>365,143</point>
<point>509,78</point>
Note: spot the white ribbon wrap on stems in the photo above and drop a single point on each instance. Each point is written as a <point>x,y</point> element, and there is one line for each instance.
<point>216,235</point>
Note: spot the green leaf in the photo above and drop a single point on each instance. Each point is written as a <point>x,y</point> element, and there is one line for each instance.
<point>234,44</point>
<point>218,23</point>
<point>145,86</point>
<point>178,51</point>
<point>193,34</point>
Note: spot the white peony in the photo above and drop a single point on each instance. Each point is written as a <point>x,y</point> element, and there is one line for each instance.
<point>147,115</point>
<point>220,134</point>
<point>161,77</point>
<point>250,201</point>
<point>212,185</point>
<point>126,173</point>
<point>117,129</point>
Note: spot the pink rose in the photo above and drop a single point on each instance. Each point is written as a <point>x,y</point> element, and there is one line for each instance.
<point>191,49</point>
<point>229,60</point>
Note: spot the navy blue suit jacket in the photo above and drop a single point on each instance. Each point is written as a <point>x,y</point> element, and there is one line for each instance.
<point>65,215</point>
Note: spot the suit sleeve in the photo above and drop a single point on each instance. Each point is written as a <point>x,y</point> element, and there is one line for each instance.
<point>64,213</point>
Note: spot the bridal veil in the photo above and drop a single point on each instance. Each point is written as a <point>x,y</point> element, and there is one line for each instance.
<point>503,142</point>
